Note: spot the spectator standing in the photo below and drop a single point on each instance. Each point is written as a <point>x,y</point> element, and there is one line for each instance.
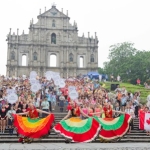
<point>130,111</point>
<point>119,96</point>
<point>118,78</point>
<point>138,81</point>
<point>3,116</point>
<point>10,119</point>
<point>45,107</point>
<point>49,98</point>
<point>117,108</point>
<point>100,77</point>
<point>53,101</point>
<point>135,104</point>
<point>61,104</point>
<point>123,102</point>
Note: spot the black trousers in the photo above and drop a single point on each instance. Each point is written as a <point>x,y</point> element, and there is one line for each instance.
<point>50,105</point>
<point>45,115</point>
<point>136,111</point>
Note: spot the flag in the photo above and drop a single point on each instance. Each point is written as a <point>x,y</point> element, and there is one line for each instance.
<point>144,123</point>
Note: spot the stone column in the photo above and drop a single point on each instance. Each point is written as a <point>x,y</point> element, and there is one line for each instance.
<point>45,22</point>
<point>43,56</point>
<point>46,58</point>
<point>16,73</point>
<point>7,71</point>
<point>75,72</point>
<point>8,53</point>
<point>31,55</point>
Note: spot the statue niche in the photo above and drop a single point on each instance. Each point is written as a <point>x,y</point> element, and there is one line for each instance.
<point>53,23</point>
<point>71,57</point>
<point>12,55</point>
<point>34,56</point>
<point>53,38</point>
<point>92,58</point>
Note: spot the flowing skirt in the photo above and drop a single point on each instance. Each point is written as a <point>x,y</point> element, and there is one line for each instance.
<point>113,128</point>
<point>78,130</point>
<point>33,128</point>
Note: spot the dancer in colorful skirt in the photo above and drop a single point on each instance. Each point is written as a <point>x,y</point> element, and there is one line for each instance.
<point>75,129</point>
<point>112,128</point>
<point>32,127</point>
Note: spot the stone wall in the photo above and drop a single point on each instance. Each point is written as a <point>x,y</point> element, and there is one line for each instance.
<point>51,35</point>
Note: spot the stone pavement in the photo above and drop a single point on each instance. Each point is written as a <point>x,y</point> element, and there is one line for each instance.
<point>75,146</point>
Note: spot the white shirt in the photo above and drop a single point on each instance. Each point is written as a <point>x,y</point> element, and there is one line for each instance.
<point>130,112</point>
<point>10,112</point>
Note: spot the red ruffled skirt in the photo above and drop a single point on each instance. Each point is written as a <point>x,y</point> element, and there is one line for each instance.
<point>78,130</point>
<point>113,128</point>
<point>33,128</point>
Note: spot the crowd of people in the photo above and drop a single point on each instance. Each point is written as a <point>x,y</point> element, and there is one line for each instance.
<point>92,99</point>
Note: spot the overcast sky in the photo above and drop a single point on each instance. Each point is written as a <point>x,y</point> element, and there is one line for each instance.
<point>114,21</point>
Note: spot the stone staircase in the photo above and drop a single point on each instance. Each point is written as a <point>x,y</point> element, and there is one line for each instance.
<point>136,135</point>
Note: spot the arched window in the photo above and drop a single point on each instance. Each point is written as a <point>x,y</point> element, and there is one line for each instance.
<point>81,62</point>
<point>53,38</point>
<point>53,23</point>
<point>70,57</point>
<point>24,60</point>
<point>53,60</point>
<point>35,56</point>
<point>12,56</point>
<point>92,58</point>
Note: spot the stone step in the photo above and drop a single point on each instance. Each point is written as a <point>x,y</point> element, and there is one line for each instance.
<point>136,133</point>
<point>54,140</point>
<point>63,140</point>
<point>49,137</point>
<point>137,136</point>
<point>56,136</point>
<point>135,140</point>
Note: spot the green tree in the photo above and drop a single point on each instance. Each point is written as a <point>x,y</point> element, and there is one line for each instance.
<point>128,62</point>
<point>121,51</point>
<point>101,70</point>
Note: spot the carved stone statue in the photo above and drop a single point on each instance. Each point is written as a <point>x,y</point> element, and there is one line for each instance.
<point>71,58</point>
<point>53,24</point>
<point>34,56</point>
<point>53,39</point>
<point>92,58</point>
<point>12,56</point>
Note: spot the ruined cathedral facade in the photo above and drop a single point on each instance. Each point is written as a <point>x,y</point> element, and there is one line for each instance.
<point>52,44</point>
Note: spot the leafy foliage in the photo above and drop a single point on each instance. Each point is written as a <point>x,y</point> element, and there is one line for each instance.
<point>128,62</point>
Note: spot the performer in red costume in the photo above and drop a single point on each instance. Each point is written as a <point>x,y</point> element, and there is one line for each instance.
<point>75,129</point>
<point>32,127</point>
<point>113,128</point>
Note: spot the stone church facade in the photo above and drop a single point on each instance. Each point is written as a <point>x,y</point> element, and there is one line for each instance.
<point>52,44</point>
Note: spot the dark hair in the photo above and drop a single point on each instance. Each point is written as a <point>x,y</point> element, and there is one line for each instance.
<point>147,107</point>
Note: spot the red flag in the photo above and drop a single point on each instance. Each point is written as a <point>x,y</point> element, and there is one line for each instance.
<point>144,123</point>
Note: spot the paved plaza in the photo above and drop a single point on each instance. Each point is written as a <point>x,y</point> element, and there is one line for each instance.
<point>75,146</point>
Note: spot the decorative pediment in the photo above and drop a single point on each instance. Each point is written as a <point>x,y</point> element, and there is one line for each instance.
<point>53,12</point>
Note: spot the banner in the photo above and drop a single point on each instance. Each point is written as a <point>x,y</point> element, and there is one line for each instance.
<point>73,94</point>
<point>12,98</point>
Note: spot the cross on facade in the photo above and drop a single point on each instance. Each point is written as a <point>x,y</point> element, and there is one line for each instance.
<point>53,4</point>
